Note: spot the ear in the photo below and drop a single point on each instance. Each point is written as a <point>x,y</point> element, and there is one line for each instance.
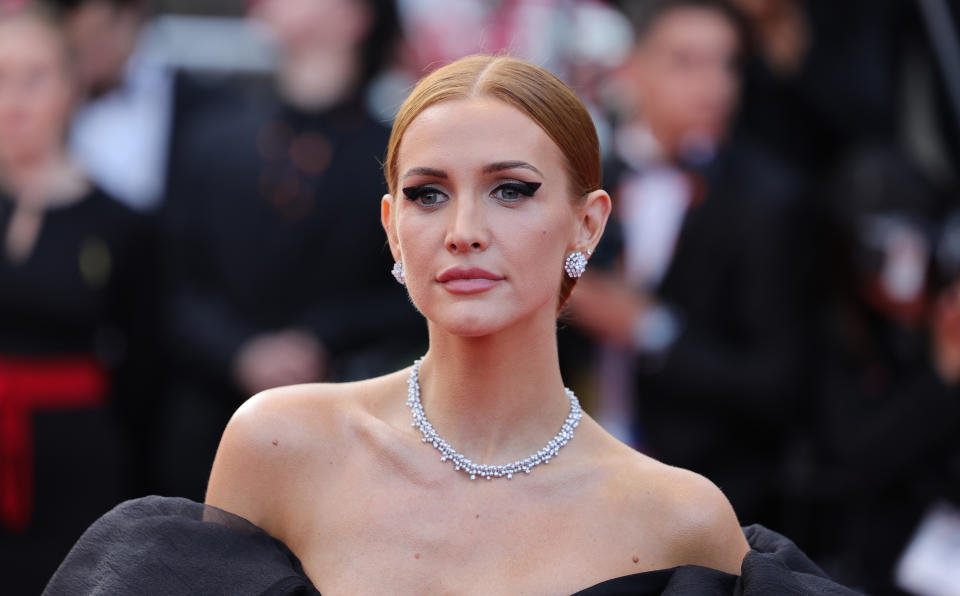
<point>592,217</point>
<point>386,215</point>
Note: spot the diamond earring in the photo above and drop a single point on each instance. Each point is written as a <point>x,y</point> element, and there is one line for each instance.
<point>576,263</point>
<point>397,273</point>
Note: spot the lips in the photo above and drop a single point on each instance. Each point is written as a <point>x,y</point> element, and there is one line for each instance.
<point>459,280</point>
<point>472,273</point>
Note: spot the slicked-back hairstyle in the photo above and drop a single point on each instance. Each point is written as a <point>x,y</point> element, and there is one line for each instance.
<point>540,95</point>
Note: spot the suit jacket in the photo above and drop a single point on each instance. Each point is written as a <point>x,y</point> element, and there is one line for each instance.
<point>720,398</point>
<point>273,222</point>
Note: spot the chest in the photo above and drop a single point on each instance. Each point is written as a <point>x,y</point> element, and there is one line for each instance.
<point>391,539</point>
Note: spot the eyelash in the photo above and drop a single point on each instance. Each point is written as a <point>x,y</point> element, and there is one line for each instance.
<point>527,189</point>
<point>416,193</point>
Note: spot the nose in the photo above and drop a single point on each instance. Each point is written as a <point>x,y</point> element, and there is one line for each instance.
<point>467,229</point>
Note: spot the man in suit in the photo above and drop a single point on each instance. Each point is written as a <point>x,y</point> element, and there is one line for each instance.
<point>703,302</point>
<point>276,264</point>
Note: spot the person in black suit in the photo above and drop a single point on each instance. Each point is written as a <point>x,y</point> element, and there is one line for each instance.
<point>76,344</point>
<point>277,271</point>
<point>704,296</point>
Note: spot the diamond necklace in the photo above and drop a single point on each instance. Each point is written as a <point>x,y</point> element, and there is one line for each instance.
<point>466,466</point>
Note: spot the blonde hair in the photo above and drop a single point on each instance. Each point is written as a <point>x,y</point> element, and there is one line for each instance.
<point>540,95</point>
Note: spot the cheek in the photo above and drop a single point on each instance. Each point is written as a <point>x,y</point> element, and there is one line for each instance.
<point>420,240</point>
<point>536,254</point>
<point>414,230</point>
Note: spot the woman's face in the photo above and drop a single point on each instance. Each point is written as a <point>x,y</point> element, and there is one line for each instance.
<point>35,89</point>
<point>483,216</point>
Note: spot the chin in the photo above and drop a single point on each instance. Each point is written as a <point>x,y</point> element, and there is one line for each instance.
<point>469,320</point>
<point>470,325</point>
<point>483,314</point>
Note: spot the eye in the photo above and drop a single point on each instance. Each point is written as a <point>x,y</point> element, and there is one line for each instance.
<point>512,192</point>
<point>425,195</point>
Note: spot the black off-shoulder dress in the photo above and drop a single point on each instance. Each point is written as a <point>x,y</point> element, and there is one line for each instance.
<point>165,546</point>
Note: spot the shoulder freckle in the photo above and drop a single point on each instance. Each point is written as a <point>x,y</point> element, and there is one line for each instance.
<point>282,415</point>
<point>265,444</point>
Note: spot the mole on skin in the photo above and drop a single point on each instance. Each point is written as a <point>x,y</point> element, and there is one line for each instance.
<point>636,559</point>
<point>416,555</point>
<point>275,442</point>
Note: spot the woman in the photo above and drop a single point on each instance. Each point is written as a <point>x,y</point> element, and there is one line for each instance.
<point>494,204</point>
<point>490,191</point>
<point>67,297</point>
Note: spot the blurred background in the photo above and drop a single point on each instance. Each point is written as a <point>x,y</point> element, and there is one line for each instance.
<point>189,214</point>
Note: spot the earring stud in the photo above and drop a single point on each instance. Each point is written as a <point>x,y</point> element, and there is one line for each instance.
<point>576,263</point>
<point>398,274</point>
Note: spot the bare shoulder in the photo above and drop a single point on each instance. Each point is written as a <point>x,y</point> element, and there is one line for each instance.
<point>692,518</point>
<point>707,530</point>
<point>272,438</point>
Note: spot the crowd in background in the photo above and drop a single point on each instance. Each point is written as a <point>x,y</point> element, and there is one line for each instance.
<point>775,303</point>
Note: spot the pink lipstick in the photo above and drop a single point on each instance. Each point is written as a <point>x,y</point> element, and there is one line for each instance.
<point>473,280</point>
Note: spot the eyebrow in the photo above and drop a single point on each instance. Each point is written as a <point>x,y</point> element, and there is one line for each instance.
<point>487,169</point>
<point>509,165</point>
<point>425,172</point>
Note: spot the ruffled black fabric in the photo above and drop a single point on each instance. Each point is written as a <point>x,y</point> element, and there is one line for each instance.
<point>162,546</point>
<point>167,546</point>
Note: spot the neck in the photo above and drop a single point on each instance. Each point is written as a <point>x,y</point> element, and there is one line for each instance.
<point>317,78</point>
<point>499,397</point>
